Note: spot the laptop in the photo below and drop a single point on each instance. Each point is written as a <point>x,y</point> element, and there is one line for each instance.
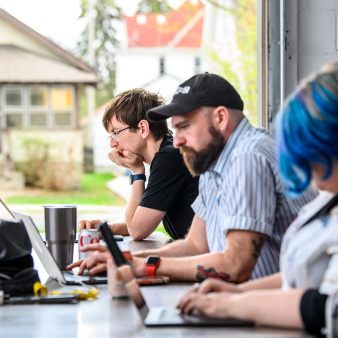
<point>6,207</point>
<point>157,316</point>
<point>47,260</point>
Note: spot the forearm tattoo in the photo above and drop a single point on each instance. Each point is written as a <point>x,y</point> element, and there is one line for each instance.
<point>203,274</point>
<point>257,247</point>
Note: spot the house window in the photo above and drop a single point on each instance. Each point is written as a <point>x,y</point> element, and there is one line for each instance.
<point>13,99</point>
<point>14,120</point>
<point>62,119</point>
<point>37,106</point>
<point>162,66</point>
<point>62,98</point>
<point>62,106</point>
<point>38,120</point>
<point>197,65</point>
<point>38,97</point>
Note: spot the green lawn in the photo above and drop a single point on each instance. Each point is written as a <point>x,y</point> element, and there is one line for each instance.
<point>94,192</point>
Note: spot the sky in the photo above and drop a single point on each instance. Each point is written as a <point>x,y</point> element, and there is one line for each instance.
<point>58,19</point>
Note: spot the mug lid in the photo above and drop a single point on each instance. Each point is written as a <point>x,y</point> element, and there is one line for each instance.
<point>60,206</point>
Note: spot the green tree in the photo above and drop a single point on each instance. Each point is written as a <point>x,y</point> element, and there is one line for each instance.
<point>107,14</point>
<point>153,6</point>
<point>244,80</point>
<point>246,34</point>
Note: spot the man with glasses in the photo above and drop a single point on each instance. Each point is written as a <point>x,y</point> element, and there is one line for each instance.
<point>171,188</point>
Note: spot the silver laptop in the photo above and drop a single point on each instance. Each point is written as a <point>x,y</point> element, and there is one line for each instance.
<point>47,260</point>
<point>159,316</point>
<point>6,207</point>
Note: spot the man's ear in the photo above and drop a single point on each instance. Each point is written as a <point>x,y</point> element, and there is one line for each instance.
<point>221,117</point>
<point>144,126</point>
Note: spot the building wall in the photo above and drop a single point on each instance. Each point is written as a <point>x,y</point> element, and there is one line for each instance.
<point>48,159</point>
<point>182,64</point>
<point>317,35</point>
<point>311,30</point>
<point>137,67</point>
<point>11,35</point>
<point>134,71</point>
<point>166,85</point>
<point>66,146</point>
<point>309,40</point>
<point>101,145</point>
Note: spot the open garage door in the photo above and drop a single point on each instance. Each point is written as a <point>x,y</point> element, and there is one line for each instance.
<point>295,38</point>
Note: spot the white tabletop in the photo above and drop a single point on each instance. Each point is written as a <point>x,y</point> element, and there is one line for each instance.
<point>105,317</point>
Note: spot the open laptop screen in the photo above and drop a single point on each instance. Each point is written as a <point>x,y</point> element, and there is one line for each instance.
<point>130,283</point>
<point>5,212</point>
<point>40,248</point>
<point>125,271</point>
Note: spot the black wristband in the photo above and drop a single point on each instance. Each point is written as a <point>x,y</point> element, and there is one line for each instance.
<point>312,309</point>
<point>133,178</point>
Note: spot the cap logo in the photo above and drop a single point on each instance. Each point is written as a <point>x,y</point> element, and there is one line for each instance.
<point>183,90</point>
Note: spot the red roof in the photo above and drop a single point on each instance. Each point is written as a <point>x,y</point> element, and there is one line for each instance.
<point>180,28</point>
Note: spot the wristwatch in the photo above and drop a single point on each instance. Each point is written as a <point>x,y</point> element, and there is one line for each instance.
<point>152,263</point>
<point>133,178</point>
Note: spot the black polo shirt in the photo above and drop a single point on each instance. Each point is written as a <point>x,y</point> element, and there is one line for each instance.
<point>171,188</point>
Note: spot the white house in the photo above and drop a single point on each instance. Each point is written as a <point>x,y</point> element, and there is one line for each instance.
<point>39,98</point>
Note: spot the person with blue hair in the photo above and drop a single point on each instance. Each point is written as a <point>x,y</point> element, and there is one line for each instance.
<point>304,294</point>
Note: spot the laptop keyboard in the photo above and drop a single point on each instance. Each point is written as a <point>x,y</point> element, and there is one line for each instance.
<point>168,313</point>
<point>72,273</point>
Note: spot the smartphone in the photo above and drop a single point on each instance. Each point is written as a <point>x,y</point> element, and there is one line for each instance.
<point>118,238</point>
<point>50,299</point>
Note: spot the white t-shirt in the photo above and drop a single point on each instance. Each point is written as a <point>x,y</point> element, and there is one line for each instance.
<point>309,253</point>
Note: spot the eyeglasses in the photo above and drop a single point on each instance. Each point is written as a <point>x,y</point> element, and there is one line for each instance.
<point>114,136</point>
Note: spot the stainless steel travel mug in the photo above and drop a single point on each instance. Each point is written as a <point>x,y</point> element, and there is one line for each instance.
<point>60,227</point>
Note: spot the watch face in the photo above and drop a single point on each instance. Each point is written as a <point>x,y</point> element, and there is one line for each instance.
<point>130,180</point>
<point>152,260</point>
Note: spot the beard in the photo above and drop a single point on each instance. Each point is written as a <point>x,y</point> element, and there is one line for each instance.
<point>198,162</point>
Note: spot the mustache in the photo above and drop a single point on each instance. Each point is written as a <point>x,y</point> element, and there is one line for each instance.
<point>187,150</point>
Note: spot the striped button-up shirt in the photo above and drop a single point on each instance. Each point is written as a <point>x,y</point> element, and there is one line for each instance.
<point>243,191</point>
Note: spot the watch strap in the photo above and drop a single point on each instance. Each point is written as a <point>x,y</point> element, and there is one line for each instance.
<point>138,177</point>
<point>151,270</point>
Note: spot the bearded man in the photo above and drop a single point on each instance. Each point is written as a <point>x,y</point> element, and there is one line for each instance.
<point>242,210</point>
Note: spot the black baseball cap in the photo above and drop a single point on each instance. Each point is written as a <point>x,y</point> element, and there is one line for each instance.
<point>200,90</point>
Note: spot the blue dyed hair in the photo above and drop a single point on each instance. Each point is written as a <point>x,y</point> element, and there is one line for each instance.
<point>307,129</point>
